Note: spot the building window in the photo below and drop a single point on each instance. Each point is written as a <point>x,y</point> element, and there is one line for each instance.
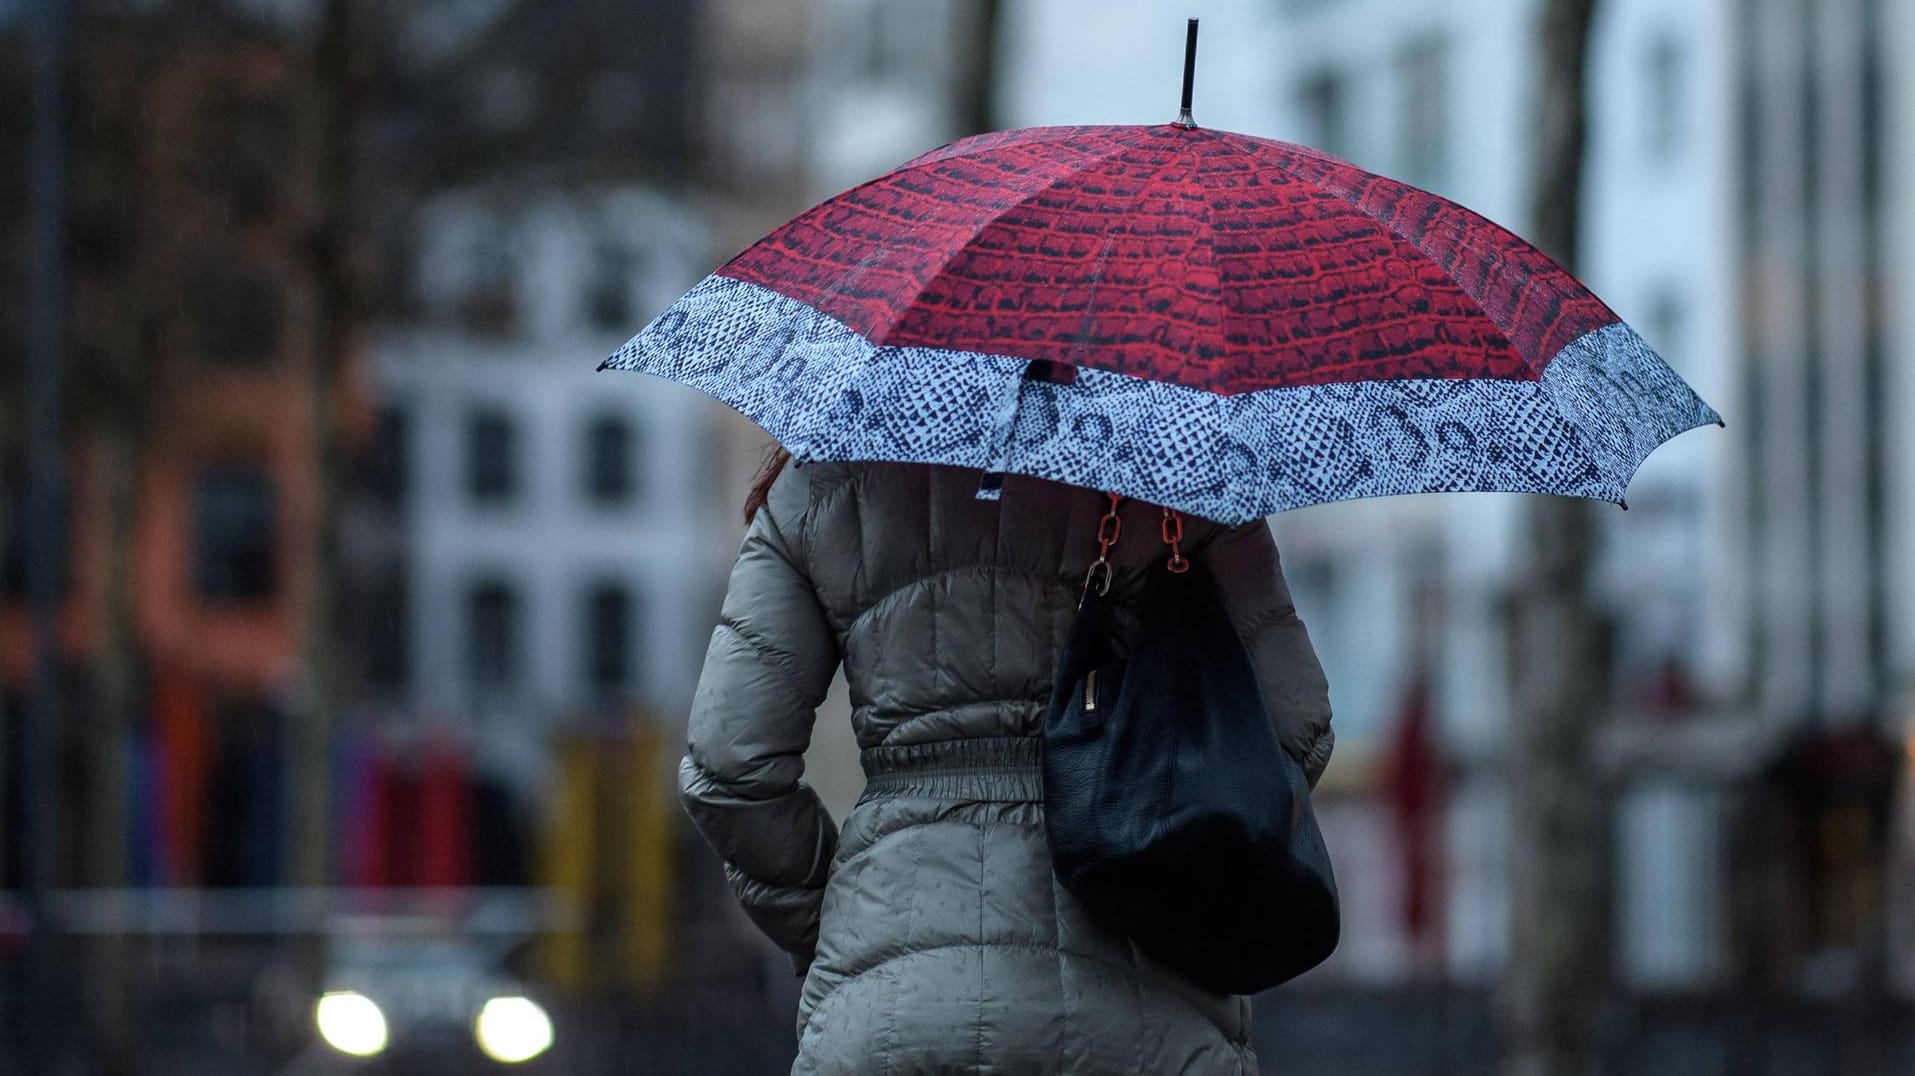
<point>387,473</point>
<point>608,460</point>
<point>387,632</point>
<point>608,300</point>
<point>234,316</point>
<point>504,98</point>
<point>489,305</point>
<point>1665,101</point>
<point>16,504</point>
<point>1665,326</point>
<point>1668,905</point>
<point>1313,580</point>
<point>615,101</point>
<point>13,531</point>
<point>882,39</point>
<point>492,634</point>
<point>608,639</point>
<point>244,138</point>
<point>491,457</point>
<point>1324,100</point>
<point>234,548</point>
<point>1423,113</point>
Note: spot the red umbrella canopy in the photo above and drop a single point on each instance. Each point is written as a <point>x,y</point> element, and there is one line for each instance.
<point>1221,324</point>
<point>1203,258</point>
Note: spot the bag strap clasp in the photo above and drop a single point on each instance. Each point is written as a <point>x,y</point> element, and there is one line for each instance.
<point>1109,529</point>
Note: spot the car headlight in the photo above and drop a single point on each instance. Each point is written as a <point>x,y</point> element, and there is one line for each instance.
<point>513,1029</point>
<point>351,1023</point>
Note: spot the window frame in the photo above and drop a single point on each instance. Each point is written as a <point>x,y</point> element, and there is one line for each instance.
<point>625,489</point>
<point>254,585</point>
<point>594,650</point>
<point>481,487</point>
<point>500,665</point>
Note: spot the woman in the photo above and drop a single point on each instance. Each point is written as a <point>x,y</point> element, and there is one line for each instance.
<point>931,933</point>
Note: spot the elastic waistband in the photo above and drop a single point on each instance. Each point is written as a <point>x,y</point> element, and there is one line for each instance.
<point>1002,769</point>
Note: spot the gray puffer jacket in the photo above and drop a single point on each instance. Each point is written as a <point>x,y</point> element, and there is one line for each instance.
<point>942,942</point>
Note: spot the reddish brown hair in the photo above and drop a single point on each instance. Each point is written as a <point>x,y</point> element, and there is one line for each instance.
<point>774,464</point>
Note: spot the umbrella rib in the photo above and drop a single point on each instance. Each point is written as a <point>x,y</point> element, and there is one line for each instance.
<point>974,145</point>
<point>865,360</point>
<point>1232,315</point>
<point>1542,385</point>
<point>1352,201</point>
<point>908,300</point>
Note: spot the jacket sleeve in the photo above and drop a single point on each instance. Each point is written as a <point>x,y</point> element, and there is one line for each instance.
<point>1244,561</point>
<point>769,664</point>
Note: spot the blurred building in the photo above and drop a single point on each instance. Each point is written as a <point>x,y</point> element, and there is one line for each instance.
<point>548,541</point>
<point>191,499</point>
<point>553,541</point>
<point>754,118</point>
<point>1658,244</point>
<point>1404,589</point>
<point>556,536</point>
<point>1897,235</point>
<point>1405,597</point>
<point>1823,146</point>
<point>884,82</point>
<point>1745,187</point>
<point>534,551</point>
<point>808,99</point>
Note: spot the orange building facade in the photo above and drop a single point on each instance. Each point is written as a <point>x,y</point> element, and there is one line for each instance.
<point>192,338</point>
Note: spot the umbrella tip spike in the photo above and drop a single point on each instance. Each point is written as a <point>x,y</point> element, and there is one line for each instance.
<point>1184,119</point>
<point>1625,505</point>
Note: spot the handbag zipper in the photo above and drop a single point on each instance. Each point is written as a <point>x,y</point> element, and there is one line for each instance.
<point>1090,691</point>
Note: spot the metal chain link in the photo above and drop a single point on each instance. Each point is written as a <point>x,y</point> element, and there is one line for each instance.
<point>1173,532</point>
<point>1109,529</point>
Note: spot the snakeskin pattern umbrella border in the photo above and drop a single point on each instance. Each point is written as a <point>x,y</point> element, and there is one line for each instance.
<point>1249,327</point>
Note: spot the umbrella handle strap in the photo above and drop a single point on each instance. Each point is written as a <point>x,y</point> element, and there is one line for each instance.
<point>1004,421</point>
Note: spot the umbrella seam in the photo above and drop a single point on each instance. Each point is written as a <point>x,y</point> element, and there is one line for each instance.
<point>998,454</point>
<point>1264,480</point>
<point>1347,198</point>
<point>1548,392</point>
<point>1071,171</point>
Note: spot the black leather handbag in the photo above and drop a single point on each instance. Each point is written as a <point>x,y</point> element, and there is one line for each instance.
<point>1171,811</point>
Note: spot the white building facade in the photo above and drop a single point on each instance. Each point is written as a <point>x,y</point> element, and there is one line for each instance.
<point>882,82</point>
<point>1439,94</point>
<point>557,523</point>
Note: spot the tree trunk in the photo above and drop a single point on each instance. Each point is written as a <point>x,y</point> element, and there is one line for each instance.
<point>977,86</point>
<point>7,820</point>
<point>115,688</point>
<point>1558,968</point>
<point>309,766</point>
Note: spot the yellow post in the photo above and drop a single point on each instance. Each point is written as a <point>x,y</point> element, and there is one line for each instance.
<point>645,918</point>
<point>568,859</point>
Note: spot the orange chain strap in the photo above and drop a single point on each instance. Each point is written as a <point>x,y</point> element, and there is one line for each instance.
<point>1111,527</point>
<point>1173,531</point>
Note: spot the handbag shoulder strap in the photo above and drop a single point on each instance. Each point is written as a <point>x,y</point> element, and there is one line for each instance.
<point>1173,533</point>
<point>1110,528</point>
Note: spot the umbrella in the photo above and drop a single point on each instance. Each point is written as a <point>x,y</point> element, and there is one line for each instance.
<point>1217,323</point>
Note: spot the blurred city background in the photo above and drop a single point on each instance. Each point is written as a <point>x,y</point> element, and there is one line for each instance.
<point>378,611</point>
